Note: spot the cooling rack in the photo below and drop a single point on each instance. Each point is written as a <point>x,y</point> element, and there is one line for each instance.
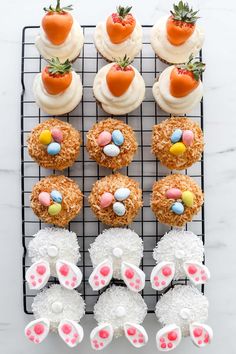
<point>144,168</point>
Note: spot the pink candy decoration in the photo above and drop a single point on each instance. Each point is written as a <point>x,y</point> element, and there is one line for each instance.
<point>187,137</point>
<point>57,135</point>
<point>104,138</point>
<point>129,273</point>
<point>192,269</point>
<point>166,271</point>
<point>106,200</point>
<point>44,199</point>
<point>64,270</point>
<point>39,328</point>
<point>173,193</point>
<point>105,271</point>
<point>103,334</point>
<point>41,269</point>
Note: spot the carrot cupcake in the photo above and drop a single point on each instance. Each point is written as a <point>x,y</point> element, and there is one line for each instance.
<point>174,38</point>
<point>176,199</point>
<point>116,199</point>
<point>60,34</point>
<point>177,142</point>
<point>57,89</point>
<point>179,88</point>
<point>118,87</point>
<point>120,35</point>
<point>111,143</point>
<point>56,200</point>
<point>54,144</point>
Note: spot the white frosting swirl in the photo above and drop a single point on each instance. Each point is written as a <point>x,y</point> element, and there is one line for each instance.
<point>126,103</point>
<point>131,46</point>
<point>169,52</point>
<point>62,103</point>
<point>70,49</point>
<point>171,104</point>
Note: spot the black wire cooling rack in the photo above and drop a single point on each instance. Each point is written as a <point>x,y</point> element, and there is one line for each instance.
<point>144,168</point>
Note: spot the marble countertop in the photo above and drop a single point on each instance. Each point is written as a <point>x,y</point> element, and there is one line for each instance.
<point>218,18</point>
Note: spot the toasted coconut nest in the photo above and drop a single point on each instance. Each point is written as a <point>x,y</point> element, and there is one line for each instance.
<point>161,206</point>
<point>70,145</point>
<point>161,143</point>
<point>71,203</point>
<point>110,184</point>
<point>127,149</point>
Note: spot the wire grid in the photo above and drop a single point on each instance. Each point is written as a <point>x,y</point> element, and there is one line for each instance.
<point>144,168</point>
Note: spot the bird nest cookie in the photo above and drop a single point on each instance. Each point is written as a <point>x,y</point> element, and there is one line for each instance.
<point>116,199</point>
<point>176,199</point>
<point>177,142</point>
<point>56,200</point>
<point>111,143</point>
<point>54,144</point>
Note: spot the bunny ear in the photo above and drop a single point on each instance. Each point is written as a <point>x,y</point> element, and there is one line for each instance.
<point>197,272</point>
<point>101,275</point>
<point>168,338</point>
<point>68,274</point>
<point>133,276</point>
<point>70,332</point>
<point>36,331</point>
<point>201,334</point>
<point>38,274</point>
<point>101,336</point>
<point>135,334</point>
<point>162,275</point>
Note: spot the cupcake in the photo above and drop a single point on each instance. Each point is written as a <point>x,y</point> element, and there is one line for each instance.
<point>60,34</point>
<point>56,200</point>
<point>57,89</point>
<point>179,88</point>
<point>54,144</point>
<point>174,38</point>
<point>176,199</point>
<point>116,199</point>
<point>111,143</point>
<point>118,87</point>
<point>120,35</point>
<point>177,142</point>
<point>119,311</point>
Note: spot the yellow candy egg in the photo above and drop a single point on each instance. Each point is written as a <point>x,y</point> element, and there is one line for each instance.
<point>188,198</point>
<point>54,209</point>
<point>177,149</point>
<point>45,137</point>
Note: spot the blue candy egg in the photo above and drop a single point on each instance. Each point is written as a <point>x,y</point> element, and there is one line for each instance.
<point>56,196</point>
<point>119,209</point>
<point>53,148</point>
<point>122,194</point>
<point>177,208</point>
<point>176,136</point>
<point>117,137</point>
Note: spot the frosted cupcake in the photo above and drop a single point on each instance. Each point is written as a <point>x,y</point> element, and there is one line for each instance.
<point>120,35</point>
<point>60,34</point>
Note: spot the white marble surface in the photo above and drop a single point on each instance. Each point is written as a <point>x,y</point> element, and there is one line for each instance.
<point>218,18</point>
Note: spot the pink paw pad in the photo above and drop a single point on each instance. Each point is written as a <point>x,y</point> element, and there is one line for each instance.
<point>136,334</point>
<point>101,275</point>
<point>201,334</point>
<point>101,336</point>
<point>168,338</point>
<point>36,331</point>
<point>38,274</point>
<point>68,274</point>
<point>162,275</point>
<point>197,272</point>
<point>133,277</point>
<point>70,332</point>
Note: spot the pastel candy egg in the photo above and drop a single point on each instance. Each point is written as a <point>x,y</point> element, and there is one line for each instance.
<point>104,138</point>
<point>53,149</point>
<point>188,137</point>
<point>177,149</point>
<point>173,193</point>
<point>119,209</point>
<point>44,198</point>
<point>106,200</point>
<point>177,208</point>
<point>117,137</point>
<point>122,194</point>
<point>56,196</point>
<point>45,137</point>
<point>111,150</point>
<point>54,209</point>
<point>176,136</point>
<point>57,135</point>
<point>188,198</point>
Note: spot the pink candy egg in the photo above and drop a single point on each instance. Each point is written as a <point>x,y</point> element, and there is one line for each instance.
<point>44,198</point>
<point>106,200</point>
<point>104,138</point>
<point>57,135</point>
<point>188,137</point>
<point>173,193</point>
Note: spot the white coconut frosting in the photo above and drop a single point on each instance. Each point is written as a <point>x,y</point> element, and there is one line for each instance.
<point>127,102</point>
<point>171,104</point>
<point>130,47</point>
<point>171,53</point>
<point>70,49</point>
<point>63,102</point>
